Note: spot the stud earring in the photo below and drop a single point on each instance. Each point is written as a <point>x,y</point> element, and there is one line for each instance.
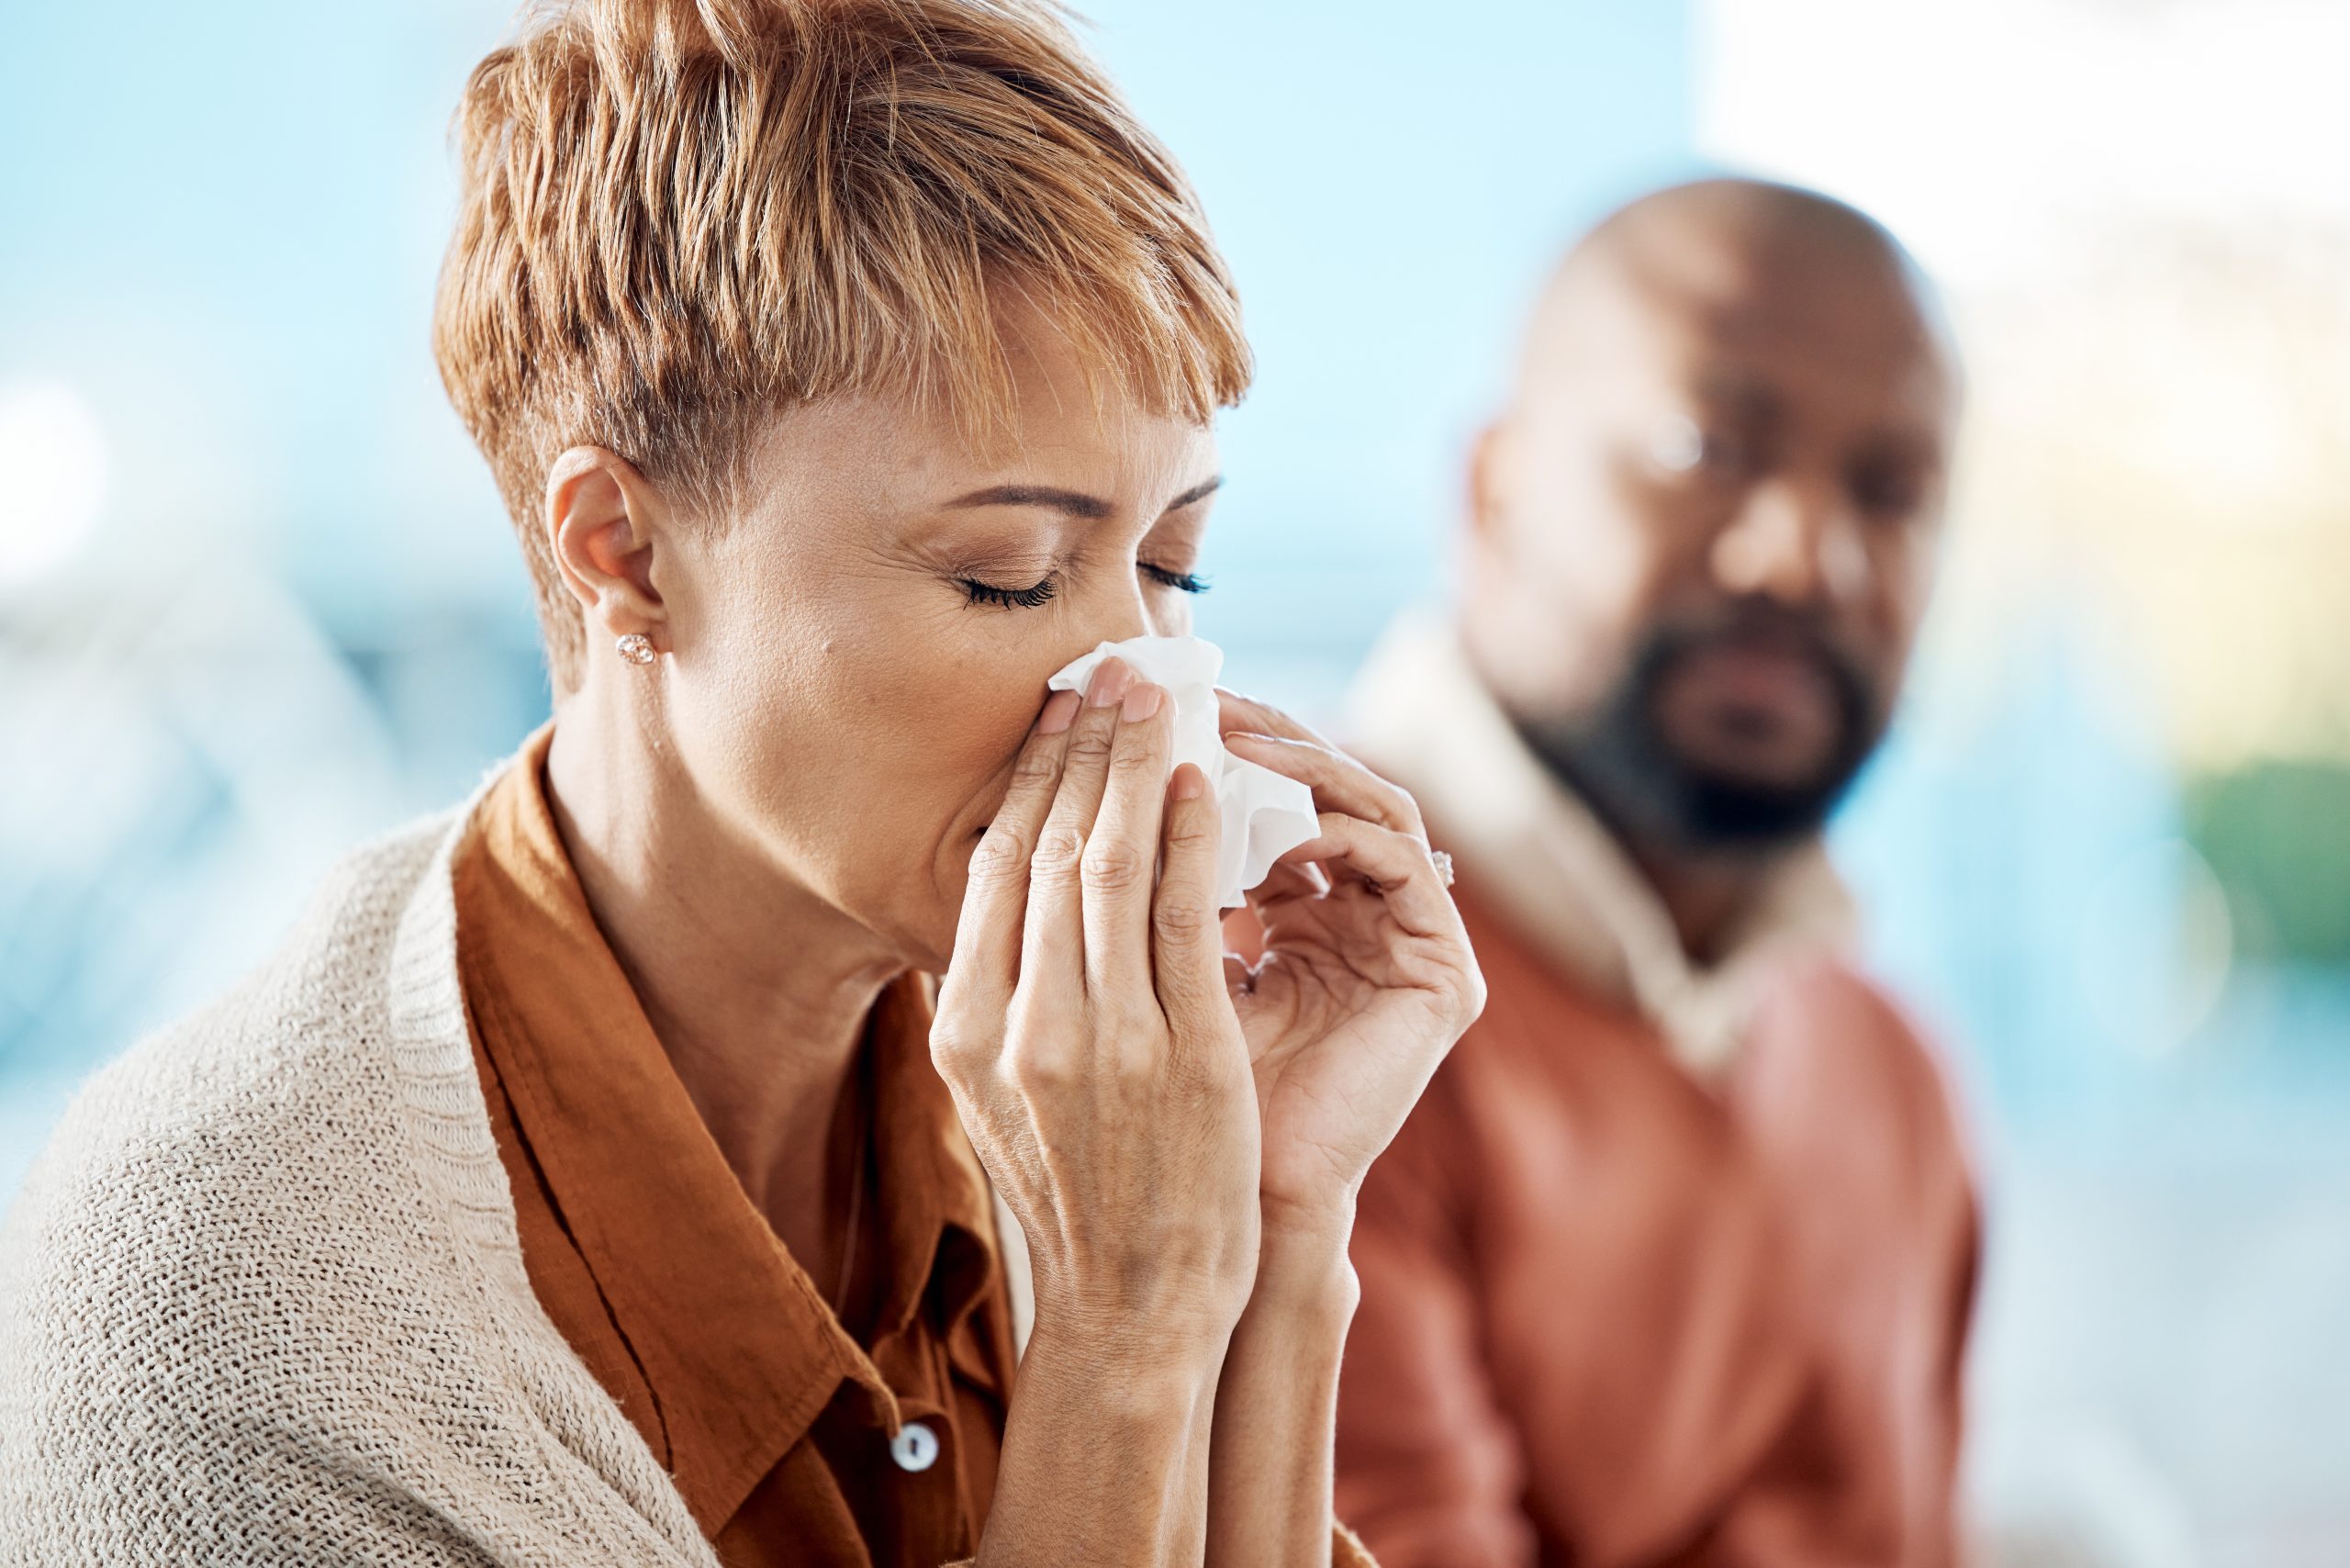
<point>636,648</point>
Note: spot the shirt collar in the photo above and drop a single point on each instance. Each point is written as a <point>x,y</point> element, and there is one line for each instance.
<point>1419,713</point>
<point>738,1345</point>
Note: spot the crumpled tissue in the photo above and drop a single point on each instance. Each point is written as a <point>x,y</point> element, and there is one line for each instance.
<point>1265,814</point>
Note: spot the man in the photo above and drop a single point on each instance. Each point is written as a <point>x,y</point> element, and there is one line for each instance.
<point>1673,1263</point>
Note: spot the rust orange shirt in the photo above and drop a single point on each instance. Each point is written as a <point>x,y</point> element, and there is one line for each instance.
<point>792,1439</point>
<point>1615,1316</point>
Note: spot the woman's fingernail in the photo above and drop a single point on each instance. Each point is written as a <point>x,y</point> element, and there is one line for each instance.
<point>1189,783</point>
<point>1110,681</point>
<point>1060,711</point>
<point>1142,701</point>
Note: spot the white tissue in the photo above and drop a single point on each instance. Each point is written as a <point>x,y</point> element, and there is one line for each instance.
<point>1265,814</point>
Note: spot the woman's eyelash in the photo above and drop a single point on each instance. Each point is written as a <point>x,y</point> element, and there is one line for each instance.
<point>1185,582</point>
<point>1036,593</point>
<point>1027,597</point>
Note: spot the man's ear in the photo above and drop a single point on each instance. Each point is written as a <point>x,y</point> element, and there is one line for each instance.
<point>603,522</point>
<point>1483,475</point>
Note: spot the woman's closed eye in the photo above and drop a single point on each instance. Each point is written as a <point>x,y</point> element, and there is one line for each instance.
<point>1011,597</point>
<point>1166,576</point>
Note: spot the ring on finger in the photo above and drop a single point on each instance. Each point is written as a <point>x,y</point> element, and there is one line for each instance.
<point>1443,866</point>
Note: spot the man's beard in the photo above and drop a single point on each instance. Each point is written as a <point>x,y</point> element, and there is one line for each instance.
<point>1620,760</point>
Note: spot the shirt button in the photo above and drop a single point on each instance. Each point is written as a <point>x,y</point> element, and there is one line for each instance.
<point>915,1448</point>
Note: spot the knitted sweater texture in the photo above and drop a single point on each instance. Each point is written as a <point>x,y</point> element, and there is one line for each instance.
<point>261,1302</point>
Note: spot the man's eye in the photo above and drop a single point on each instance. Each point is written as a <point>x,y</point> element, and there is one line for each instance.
<point>1683,447</point>
<point>1185,582</point>
<point>1027,597</point>
<point>1887,490</point>
<point>1676,445</point>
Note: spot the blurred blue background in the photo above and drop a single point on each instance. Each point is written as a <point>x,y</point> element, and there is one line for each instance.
<point>258,598</point>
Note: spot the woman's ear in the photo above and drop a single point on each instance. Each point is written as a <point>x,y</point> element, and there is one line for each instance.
<point>603,524</point>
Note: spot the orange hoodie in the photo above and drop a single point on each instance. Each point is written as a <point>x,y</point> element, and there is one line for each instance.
<point>1669,1266</point>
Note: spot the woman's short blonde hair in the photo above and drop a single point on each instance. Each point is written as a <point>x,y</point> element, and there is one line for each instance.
<point>682,217</point>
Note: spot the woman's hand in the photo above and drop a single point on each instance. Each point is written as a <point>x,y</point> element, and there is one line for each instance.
<point>1086,1032</point>
<point>1366,980</point>
<point>1181,1136</point>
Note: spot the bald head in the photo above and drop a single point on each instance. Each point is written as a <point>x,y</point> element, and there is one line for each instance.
<point>1753,215</point>
<point>1705,522</point>
<point>1738,257</point>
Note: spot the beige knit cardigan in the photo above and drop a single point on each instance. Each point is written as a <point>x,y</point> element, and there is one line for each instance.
<point>261,1302</point>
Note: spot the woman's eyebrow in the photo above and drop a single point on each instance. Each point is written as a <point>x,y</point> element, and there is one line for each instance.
<point>1199,492</point>
<point>1073,503</point>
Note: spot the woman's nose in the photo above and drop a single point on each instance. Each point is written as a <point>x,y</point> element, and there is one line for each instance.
<point>1122,616</point>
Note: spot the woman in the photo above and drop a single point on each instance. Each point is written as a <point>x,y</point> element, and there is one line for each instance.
<point>587,1180</point>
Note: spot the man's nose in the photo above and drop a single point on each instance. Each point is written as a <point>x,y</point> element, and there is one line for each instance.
<point>1795,541</point>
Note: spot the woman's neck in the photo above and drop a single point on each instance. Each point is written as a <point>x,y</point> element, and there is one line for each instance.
<point>758,990</point>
